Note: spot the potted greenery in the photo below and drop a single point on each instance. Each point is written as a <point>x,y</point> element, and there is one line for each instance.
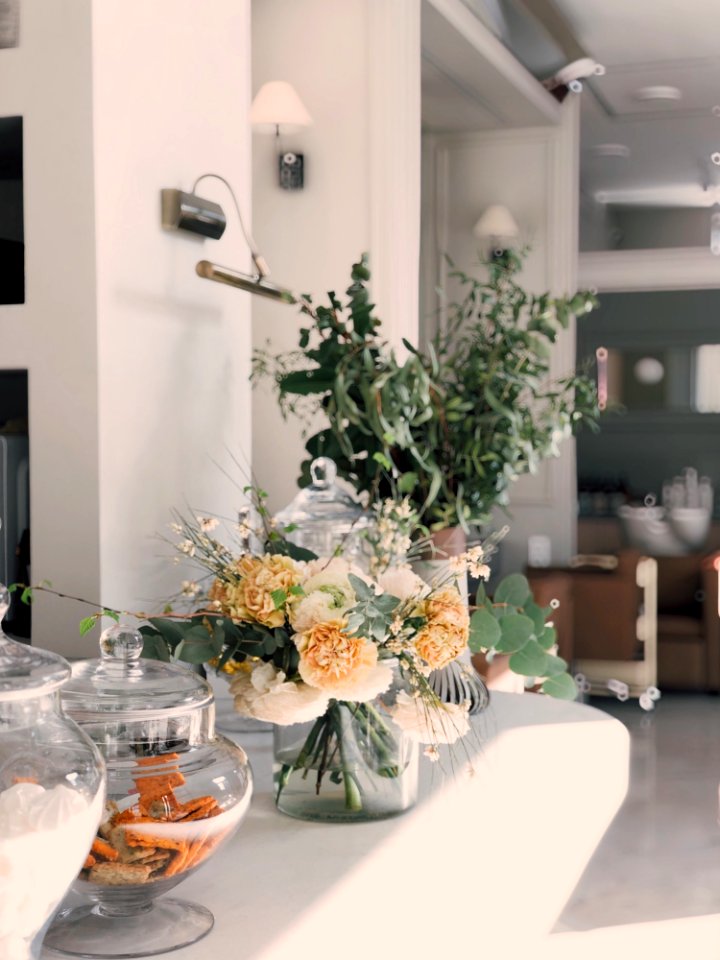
<point>512,627</point>
<point>452,426</point>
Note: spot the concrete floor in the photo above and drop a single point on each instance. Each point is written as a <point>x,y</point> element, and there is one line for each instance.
<point>660,859</point>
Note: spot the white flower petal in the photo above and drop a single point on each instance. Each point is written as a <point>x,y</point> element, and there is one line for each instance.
<point>403,583</point>
<point>362,685</point>
<point>265,695</point>
<point>444,724</point>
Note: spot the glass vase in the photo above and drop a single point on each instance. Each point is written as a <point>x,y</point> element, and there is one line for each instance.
<point>352,764</point>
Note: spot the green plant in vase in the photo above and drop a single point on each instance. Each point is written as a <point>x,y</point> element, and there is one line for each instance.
<point>511,623</point>
<point>451,427</point>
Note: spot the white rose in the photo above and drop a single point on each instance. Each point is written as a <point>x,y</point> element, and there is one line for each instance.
<point>318,606</point>
<point>265,694</point>
<point>328,593</point>
<point>445,723</point>
<point>402,583</point>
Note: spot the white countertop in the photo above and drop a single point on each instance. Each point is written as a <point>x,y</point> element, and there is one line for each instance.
<point>483,862</point>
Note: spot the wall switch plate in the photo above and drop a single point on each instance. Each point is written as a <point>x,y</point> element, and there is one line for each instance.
<point>291,171</point>
<point>539,551</point>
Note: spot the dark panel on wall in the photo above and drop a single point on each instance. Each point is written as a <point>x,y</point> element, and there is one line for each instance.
<point>12,231</point>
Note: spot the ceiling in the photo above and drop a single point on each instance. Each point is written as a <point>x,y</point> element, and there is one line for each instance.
<point>650,43</point>
<point>470,79</point>
<point>642,43</point>
<point>624,32</point>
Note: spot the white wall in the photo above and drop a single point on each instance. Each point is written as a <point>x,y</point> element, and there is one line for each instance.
<point>534,173</point>
<point>357,69</point>
<point>137,374</point>
<point>48,81</point>
<point>174,349</point>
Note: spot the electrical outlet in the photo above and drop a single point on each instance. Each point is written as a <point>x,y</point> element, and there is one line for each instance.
<point>539,551</point>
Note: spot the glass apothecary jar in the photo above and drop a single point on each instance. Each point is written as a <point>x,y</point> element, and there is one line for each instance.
<point>51,794</point>
<point>177,792</point>
<point>323,518</point>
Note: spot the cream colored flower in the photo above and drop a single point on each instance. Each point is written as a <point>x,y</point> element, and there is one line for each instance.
<point>445,635</point>
<point>265,694</point>
<point>401,582</point>
<point>328,593</point>
<point>343,667</point>
<point>251,597</point>
<point>441,723</point>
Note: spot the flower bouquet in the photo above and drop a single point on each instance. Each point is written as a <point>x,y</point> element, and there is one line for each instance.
<point>338,661</point>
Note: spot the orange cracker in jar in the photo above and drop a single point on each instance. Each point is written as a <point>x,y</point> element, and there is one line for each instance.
<point>178,863</point>
<point>197,809</point>
<point>137,838</point>
<point>102,850</point>
<point>160,785</point>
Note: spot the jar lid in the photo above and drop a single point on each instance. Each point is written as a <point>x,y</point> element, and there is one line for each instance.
<point>120,685</point>
<point>322,500</point>
<point>27,671</point>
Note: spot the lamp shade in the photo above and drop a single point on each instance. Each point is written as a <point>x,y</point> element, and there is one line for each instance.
<point>496,222</point>
<point>277,104</point>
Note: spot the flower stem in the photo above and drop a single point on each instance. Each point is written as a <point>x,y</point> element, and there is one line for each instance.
<point>353,796</point>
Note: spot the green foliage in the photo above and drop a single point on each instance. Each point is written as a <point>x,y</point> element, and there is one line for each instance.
<point>451,426</point>
<point>513,623</point>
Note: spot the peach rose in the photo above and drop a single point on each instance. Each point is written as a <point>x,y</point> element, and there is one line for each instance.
<point>445,635</point>
<point>344,667</point>
<point>251,597</point>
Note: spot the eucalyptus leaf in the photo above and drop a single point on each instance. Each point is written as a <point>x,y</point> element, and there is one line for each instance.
<point>537,615</point>
<point>530,661</point>
<point>484,631</point>
<point>554,665</point>
<point>516,630</point>
<point>547,637</point>
<point>513,589</point>
<point>561,686</point>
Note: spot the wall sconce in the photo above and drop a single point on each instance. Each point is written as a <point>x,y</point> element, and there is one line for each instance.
<point>187,211</point>
<point>497,229</point>
<point>277,109</point>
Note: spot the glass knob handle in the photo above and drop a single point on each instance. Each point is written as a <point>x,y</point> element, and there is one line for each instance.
<point>323,472</point>
<point>121,643</point>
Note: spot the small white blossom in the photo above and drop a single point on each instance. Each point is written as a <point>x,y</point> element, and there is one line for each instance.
<point>190,588</point>
<point>439,723</point>
<point>432,753</point>
<point>176,527</point>
<point>187,547</point>
<point>208,524</point>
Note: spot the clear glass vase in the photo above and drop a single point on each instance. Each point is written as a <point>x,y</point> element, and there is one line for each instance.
<point>352,764</point>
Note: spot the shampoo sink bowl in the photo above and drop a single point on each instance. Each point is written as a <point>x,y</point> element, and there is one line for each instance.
<point>665,533</point>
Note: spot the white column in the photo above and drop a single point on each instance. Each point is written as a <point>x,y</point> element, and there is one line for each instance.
<point>395,147</point>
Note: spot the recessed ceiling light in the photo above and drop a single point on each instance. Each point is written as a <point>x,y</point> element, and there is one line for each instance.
<point>611,150</point>
<point>715,157</point>
<point>658,93</point>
